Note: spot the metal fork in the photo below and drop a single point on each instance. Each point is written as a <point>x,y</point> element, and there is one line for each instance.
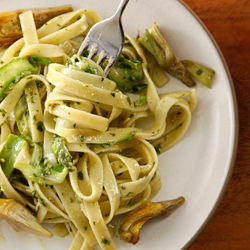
<point>105,39</point>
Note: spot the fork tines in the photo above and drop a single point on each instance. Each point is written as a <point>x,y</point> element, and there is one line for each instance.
<point>95,50</point>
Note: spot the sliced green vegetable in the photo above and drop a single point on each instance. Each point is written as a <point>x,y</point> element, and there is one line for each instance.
<point>200,72</point>
<point>12,72</point>
<point>21,107</point>
<point>154,42</point>
<point>126,73</point>
<point>41,172</point>
<point>127,137</point>
<point>61,152</point>
<point>22,116</point>
<point>23,126</point>
<point>37,155</point>
<point>39,60</point>
<point>142,100</point>
<point>85,64</point>
<point>139,87</point>
<point>10,152</point>
<point>44,174</point>
<point>110,137</point>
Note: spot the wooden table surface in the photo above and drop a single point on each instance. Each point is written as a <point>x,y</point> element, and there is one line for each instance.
<point>229,23</point>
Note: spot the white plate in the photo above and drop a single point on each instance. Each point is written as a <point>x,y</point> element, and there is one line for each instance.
<point>200,165</point>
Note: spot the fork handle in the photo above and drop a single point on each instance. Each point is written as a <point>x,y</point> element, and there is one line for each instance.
<point>120,9</point>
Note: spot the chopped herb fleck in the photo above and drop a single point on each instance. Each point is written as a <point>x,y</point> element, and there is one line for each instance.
<point>34,118</point>
<point>85,228</point>
<point>113,94</point>
<point>39,84</point>
<point>74,125</point>
<point>43,203</point>
<point>180,125</point>
<point>39,126</point>
<point>105,241</point>
<point>94,223</point>
<point>37,208</point>
<point>157,148</point>
<point>129,100</point>
<point>199,72</point>
<point>153,177</point>
<point>34,193</point>
<point>113,134</point>
<point>102,79</point>
<point>71,200</point>
<point>80,175</point>
<point>32,98</point>
<point>82,138</point>
<point>66,103</point>
<point>129,193</point>
<point>123,188</point>
<point>3,112</point>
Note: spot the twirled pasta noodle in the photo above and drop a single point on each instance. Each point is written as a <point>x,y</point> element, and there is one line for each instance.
<point>116,157</point>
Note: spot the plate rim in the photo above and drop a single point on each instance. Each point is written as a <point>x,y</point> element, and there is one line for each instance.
<point>236,129</point>
<point>228,175</point>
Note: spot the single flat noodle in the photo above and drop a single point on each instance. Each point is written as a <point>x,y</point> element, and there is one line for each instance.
<point>73,148</point>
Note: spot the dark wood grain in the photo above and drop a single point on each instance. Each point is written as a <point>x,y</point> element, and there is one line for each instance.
<point>229,22</point>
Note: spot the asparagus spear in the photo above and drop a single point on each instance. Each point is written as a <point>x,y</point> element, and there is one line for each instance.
<point>36,60</point>
<point>20,108</point>
<point>10,152</point>
<point>22,116</point>
<point>142,100</point>
<point>127,137</point>
<point>85,64</point>
<point>37,155</point>
<point>61,152</point>
<point>12,72</point>
<point>46,173</point>
<point>126,73</point>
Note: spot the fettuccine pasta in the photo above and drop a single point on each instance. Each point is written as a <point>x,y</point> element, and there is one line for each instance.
<point>82,152</point>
